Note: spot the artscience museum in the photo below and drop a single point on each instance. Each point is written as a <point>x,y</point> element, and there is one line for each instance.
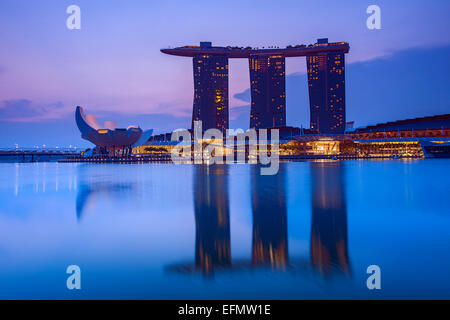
<point>110,139</point>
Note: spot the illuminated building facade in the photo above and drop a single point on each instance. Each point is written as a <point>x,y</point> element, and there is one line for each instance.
<point>268,91</point>
<point>410,138</point>
<point>211,92</point>
<point>326,84</point>
<point>404,138</point>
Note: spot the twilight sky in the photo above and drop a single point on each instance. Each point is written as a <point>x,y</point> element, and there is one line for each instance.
<point>114,69</point>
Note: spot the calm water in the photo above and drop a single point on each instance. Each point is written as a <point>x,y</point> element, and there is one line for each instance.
<point>159,231</point>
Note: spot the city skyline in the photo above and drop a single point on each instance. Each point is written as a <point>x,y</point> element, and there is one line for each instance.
<point>195,152</point>
<point>123,81</point>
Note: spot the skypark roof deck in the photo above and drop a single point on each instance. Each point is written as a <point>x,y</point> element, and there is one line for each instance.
<point>246,52</point>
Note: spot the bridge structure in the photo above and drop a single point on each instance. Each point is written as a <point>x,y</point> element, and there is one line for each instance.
<point>37,154</point>
<point>326,83</point>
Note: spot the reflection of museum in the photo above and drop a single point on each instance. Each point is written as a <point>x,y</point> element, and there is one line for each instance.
<point>328,243</point>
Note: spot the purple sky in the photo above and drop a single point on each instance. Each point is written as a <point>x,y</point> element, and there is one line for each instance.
<point>113,64</point>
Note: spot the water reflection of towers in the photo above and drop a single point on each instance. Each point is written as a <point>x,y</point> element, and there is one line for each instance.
<point>212,217</point>
<point>328,245</point>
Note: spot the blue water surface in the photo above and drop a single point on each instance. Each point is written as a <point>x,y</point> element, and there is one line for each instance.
<point>163,231</point>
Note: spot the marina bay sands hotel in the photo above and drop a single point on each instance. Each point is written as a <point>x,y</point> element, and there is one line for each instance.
<point>326,83</point>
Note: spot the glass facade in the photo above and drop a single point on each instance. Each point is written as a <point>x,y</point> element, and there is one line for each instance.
<point>326,84</point>
<point>268,91</point>
<point>211,92</point>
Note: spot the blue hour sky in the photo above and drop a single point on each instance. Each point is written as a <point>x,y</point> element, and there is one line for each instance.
<point>114,69</point>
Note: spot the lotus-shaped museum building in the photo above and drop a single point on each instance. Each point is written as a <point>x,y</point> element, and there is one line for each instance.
<point>110,138</point>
